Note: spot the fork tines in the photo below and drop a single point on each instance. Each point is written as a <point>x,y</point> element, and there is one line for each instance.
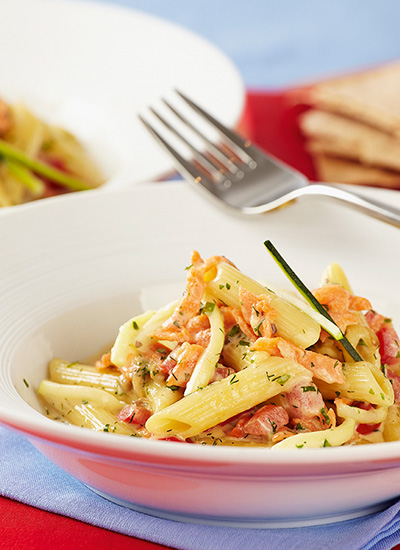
<point>217,160</point>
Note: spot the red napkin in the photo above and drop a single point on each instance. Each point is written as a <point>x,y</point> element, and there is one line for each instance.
<point>270,119</point>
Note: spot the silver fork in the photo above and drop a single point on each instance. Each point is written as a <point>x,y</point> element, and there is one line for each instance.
<point>238,175</point>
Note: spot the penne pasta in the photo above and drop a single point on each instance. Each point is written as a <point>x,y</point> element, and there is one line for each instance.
<point>205,366</point>
<point>127,338</point>
<point>161,396</point>
<point>364,340</point>
<point>83,406</point>
<point>292,323</point>
<point>234,362</point>
<point>58,394</point>
<point>65,372</point>
<point>332,437</point>
<point>362,416</point>
<point>363,382</point>
<point>391,429</point>
<point>238,355</point>
<point>221,400</point>
<point>334,274</point>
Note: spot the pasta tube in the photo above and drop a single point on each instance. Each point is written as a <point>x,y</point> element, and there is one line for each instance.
<point>391,427</point>
<point>161,396</point>
<point>221,400</point>
<point>362,416</point>
<point>65,372</point>
<point>363,382</point>
<point>137,332</point>
<point>205,366</point>
<point>83,406</point>
<point>292,323</point>
<point>62,393</point>
<point>364,340</point>
<point>334,274</point>
<point>332,437</point>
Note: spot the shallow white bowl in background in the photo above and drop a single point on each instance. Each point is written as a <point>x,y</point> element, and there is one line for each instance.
<point>73,269</point>
<point>92,67</point>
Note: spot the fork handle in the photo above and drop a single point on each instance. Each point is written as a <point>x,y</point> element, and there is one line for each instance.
<point>374,208</point>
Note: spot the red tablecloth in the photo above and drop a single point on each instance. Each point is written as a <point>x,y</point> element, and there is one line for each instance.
<point>269,119</point>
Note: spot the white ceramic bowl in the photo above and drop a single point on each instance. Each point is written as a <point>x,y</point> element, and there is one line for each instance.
<point>92,67</point>
<point>73,269</point>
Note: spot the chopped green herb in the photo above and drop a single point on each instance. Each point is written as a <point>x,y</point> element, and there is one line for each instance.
<point>135,325</point>
<point>26,383</point>
<point>234,330</point>
<point>208,308</point>
<point>281,379</point>
<point>308,388</point>
<point>173,388</point>
<point>274,425</point>
<point>326,417</point>
<point>257,328</point>
<point>326,443</point>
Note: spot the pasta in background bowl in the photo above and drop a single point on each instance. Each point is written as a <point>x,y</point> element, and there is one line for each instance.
<point>110,253</point>
<point>69,76</point>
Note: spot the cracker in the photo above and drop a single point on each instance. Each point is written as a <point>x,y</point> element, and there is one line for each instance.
<point>372,97</point>
<point>337,170</point>
<point>337,135</point>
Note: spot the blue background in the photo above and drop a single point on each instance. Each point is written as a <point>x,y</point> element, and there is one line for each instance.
<point>275,43</point>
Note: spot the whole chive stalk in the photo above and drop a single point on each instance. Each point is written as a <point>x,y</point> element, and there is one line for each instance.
<point>11,153</point>
<point>310,298</point>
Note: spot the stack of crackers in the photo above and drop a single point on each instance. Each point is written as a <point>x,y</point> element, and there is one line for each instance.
<point>352,129</point>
